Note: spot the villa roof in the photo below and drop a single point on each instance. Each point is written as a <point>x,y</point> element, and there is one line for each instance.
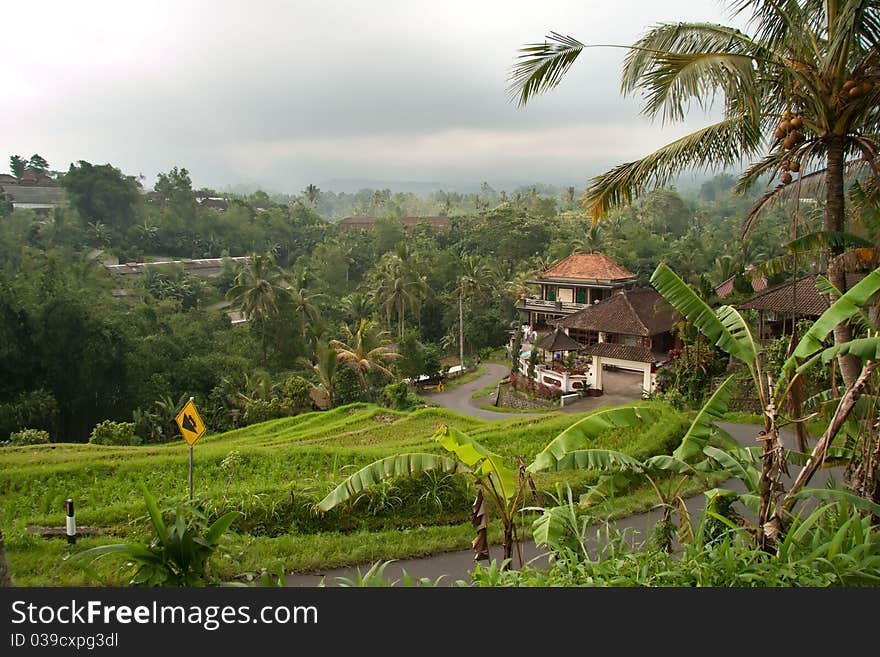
<point>558,341</point>
<point>629,312</point>
<point>621,352</point>
<point>588,266</point>
<point>800,297</point>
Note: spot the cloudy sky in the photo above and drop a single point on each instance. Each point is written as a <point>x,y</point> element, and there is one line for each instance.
<point>282,94</point>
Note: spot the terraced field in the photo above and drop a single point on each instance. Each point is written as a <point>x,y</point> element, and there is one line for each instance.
<point>273,473</point>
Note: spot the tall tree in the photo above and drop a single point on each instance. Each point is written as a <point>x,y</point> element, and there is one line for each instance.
<point>17,165</point>
<point>38,165</point>
<point>365,349</point>
<point>102,193</point>
<point>800,93</point>
<point>474,280</point>
<point>260,290</point>
<point>175,190</point>
<point>312,193</point>
<point>398,287</point>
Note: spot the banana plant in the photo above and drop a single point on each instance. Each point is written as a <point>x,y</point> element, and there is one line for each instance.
<point>496,482</point>
<point>623,470</point>
<point>179,553</point>
<point>727,329</point>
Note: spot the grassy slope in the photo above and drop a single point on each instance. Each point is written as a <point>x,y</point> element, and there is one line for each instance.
<point>274,471</point>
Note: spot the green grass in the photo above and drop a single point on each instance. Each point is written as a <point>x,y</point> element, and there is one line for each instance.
<point>467,377</point>
<point>273,473</point>
<point>485,390</point>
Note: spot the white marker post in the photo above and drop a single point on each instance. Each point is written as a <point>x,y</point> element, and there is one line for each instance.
<point>71,521</point>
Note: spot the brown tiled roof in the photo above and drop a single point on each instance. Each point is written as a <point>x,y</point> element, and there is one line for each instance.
<point>435,222</point>
<point>759,283</point>
<point>800,296</point>
<point>356,222</point>
<point>558,341</point>
<point>622,352</point>
<point>588,266</point>
<point>629,312</point>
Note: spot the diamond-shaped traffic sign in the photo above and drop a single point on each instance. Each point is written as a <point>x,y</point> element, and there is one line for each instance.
<point>190,424</point>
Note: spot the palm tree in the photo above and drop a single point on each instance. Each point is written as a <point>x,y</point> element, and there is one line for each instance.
<point>801,93</point>
<point>366,349</point>
<point>259,291</point>
<point>357,306</point>
<point>398,285</point>
<point>312,192</point>
<point>474,280</point>
<point>303,302</point>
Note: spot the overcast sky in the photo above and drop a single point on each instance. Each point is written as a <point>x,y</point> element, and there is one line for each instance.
<point>283,94</point>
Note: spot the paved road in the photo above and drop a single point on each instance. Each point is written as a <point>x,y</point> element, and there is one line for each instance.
<point>620,388</point>
<point>453,566</point>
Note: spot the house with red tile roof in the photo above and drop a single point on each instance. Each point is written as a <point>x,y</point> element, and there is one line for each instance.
<point>572,284</point>
<point>630,330</point>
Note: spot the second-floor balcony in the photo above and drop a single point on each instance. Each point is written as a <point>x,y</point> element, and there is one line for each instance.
<point>546,306</point>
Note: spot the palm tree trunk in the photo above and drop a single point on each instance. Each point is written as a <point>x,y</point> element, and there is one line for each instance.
<point>461,329</point>
<point>834,221</point>
<point>5,570</point>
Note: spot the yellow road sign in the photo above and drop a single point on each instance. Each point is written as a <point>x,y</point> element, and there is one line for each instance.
<point>191,426</point>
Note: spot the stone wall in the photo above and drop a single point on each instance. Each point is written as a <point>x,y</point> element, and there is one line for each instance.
<point>510,398</point>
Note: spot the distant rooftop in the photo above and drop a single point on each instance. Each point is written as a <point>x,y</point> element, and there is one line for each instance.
<point>356,221</point>
<point>202,266</point>
<point>33,196</point>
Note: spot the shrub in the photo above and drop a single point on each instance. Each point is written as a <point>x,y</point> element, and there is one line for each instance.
<point>114,433</point>
<point>261,410</point>
<point>28,437</point>
<point>296,392</point>
<point>35,409</point>
<point>348,388</point>
<point>398,396</point>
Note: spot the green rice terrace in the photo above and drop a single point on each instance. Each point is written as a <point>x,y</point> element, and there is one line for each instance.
<point>273,474</point>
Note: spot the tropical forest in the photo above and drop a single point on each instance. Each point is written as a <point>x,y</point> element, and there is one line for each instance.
<point>662,377</point>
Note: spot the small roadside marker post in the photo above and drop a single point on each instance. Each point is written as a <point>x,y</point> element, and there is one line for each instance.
<point>71,521</point>
<point>191,428</point>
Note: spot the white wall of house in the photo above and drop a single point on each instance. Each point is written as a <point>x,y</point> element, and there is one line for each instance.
<point>649,378</point>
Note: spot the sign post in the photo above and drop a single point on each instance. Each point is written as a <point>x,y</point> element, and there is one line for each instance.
<point>191,428</point>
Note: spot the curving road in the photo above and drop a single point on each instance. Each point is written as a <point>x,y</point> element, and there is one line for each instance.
<point>453,566</point>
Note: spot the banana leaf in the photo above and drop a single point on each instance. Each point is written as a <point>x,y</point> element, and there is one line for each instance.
<point>726,328</point>
<point>583,432</point>
<point>391,466</point>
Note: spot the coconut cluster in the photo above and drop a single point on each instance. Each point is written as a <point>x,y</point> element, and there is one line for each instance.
<point>791,133</point>
<point>853,88</point>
